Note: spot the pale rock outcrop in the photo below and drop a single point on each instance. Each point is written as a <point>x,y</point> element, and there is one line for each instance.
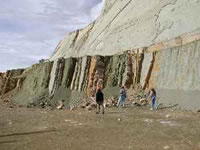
<point>131,24</point>
<point>160,44</point>
<point>141,44</point>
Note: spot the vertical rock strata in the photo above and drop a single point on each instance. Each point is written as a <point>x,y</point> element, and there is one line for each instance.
<point>132,43</point>
<point>10,80</point>
<point>174,72</point>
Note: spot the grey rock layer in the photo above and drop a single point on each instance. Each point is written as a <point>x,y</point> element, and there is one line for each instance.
<point>136,43</point>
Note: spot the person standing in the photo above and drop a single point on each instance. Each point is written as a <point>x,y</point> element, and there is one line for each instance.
<point>99,101</point>
<point>122,97</point>
<point>153,98</point>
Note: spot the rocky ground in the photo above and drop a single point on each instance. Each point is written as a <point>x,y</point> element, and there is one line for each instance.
<point>135,128</point>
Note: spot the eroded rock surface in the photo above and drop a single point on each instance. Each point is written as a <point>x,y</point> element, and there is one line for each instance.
<point>134,43</point>
<point>131,24</point>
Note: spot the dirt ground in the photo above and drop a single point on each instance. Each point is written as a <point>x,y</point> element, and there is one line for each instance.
<point>134,128</point>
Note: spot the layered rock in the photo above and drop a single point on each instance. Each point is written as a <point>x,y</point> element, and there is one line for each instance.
<point>175,74</point>
<point>131,24</point>
<point>147,44</point>
<point>173,71</point>
<point>10,80</point>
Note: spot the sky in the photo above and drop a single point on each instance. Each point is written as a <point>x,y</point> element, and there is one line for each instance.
<point>31,29</point>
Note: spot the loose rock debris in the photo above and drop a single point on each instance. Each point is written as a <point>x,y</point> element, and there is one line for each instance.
<point>60,105</point>
<point>166,147</point>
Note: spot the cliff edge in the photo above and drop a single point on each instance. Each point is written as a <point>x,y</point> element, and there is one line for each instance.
<point>130,24</point>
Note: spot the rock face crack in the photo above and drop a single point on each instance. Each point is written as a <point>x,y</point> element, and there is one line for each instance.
<point>125,6</point>
<point>149,72</point>
<point>109,8</point>
<point>157,23</point>
<point>78,45</point>
<point>88,33</point>
<point>75,38</point>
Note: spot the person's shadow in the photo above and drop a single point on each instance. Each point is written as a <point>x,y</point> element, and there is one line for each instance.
<point>160,106</point>
<point>115,112</point>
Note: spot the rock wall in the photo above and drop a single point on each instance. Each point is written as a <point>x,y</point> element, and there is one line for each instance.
<point>34,86</point>
<point>133,43</point>
<point>131,24</point>
<point>72,79</point>
<point>173,71</point>
<point>176,75</point>
<point>10,80</point>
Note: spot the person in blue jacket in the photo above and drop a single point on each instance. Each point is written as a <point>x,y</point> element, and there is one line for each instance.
<point>122,97</point>
<point>153,98</point>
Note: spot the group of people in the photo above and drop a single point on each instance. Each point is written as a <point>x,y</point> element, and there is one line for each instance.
<point>121,99</point>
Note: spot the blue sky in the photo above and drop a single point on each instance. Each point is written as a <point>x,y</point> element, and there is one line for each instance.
<point>31,29</point>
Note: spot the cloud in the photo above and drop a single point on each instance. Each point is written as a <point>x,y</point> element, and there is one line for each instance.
<point>30,30</point>
<point>96,10</point>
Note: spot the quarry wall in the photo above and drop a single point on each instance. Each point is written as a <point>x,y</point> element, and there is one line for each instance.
<point>151,44</point>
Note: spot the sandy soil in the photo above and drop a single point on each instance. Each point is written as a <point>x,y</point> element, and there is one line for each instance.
<point>132,128</point>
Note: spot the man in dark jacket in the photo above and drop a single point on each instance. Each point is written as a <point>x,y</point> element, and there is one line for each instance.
<point>99,101</point>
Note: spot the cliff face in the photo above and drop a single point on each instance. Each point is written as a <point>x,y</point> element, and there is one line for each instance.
<point>10,80</point>
<point>175,73</point>
<point>133,43</point>
<point>131,24</point>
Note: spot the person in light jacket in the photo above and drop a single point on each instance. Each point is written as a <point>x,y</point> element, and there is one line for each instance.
<point>122,97</point>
